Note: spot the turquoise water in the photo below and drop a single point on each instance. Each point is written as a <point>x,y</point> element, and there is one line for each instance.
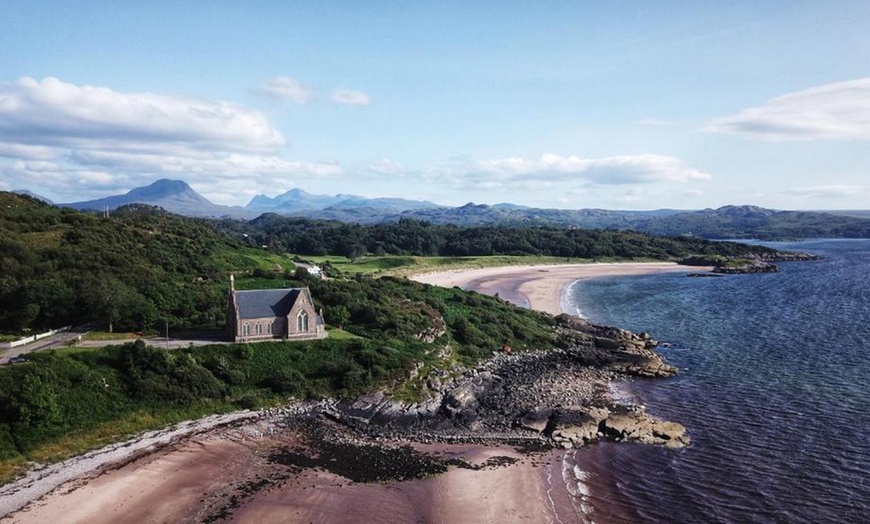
<point>774,389</point>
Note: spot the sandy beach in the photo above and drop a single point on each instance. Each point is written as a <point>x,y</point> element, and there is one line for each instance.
<point>541,287</point>
<point>224,474</point>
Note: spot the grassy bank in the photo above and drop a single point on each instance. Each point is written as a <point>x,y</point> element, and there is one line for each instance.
<point>67,401</point>
<point>397,265</point>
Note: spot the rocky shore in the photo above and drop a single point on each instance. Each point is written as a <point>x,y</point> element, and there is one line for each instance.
<point>764,263</point>
<point>494,429</point>
<point>551,398</point>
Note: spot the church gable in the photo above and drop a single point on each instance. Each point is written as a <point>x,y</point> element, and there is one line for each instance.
<point>262,314</point>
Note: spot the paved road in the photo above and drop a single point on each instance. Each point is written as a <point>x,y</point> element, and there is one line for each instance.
<point>61,340</point>
<point>54,341</point>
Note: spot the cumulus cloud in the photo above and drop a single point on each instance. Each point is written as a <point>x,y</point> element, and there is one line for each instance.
<point>346,97</point>
<point>287,88</point>
<point>59,114</point>
<point>839,111</point>
<point>84,141</point>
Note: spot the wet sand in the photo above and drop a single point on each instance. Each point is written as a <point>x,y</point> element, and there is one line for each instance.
<point>225,477</point>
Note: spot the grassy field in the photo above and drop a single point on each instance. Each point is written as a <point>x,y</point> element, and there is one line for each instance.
<point>408,265</point>
<point>105,335</point>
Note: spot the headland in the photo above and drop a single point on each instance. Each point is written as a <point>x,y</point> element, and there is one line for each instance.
<point>485,442</point>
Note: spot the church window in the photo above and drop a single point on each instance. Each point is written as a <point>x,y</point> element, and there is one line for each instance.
<point>302,322</point>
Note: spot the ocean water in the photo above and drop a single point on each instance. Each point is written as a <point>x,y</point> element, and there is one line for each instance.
<point>774,388</point>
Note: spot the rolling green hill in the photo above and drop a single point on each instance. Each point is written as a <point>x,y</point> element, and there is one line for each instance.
<point>142,266</point>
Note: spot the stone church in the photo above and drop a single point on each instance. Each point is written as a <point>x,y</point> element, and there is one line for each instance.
<point>263,314</point>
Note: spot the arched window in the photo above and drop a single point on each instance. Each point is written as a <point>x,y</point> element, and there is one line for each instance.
<point>259,329</point>
<point>302,322</point>
<point>246,329</point>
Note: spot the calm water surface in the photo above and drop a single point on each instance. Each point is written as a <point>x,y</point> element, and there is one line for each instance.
<point>774,388</point>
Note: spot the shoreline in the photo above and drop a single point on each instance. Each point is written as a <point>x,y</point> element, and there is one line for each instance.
<point>545,288</point>
<point>542,287</point>
<point>197,470</point>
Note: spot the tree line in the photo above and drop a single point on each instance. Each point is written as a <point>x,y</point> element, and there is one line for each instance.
<point>419,238</point>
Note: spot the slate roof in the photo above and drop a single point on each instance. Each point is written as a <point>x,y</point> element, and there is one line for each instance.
<point>263,303</point>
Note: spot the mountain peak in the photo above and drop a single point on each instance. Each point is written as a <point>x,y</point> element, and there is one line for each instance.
<point>161,189</point>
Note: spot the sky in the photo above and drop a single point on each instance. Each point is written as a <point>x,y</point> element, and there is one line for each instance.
<point>605,104</point>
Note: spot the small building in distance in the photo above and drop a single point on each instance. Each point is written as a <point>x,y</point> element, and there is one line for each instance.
<point>264,314</point>
<point>313,269</point>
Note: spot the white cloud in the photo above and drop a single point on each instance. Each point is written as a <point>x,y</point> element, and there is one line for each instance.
<point>839,111</point>
<point>81,142</point>
<point>830,191</point>
<point>287,88</point>
<point>25,151</point>
<point>550,168</point>
<point>346,97</point>
<point>293,90</point>
<point>53,113</point>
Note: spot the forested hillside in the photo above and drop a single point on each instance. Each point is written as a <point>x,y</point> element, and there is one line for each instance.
<point>140,266</point>
<point>412,237</point>
<point>143,266</point>
<point>74,399</point>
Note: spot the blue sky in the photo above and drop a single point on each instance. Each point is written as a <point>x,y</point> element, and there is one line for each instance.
<point>623,105</point>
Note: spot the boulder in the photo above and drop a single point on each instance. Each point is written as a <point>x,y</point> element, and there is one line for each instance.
<point>639,427</point>
<point>465,397</point>
<point>578,427</point>
<point>536,419</point>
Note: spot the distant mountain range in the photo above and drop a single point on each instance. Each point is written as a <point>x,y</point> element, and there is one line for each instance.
<point>746,222</point>
<point>174,196</point>
<point>178,197</point>
<point>296,201</point>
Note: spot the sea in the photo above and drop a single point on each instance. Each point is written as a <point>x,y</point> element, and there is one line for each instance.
<point>774,388</point>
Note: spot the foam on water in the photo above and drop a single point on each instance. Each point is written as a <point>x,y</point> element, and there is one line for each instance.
<point>569,302</point>
<point>773,390</point>
<point>575,480</point>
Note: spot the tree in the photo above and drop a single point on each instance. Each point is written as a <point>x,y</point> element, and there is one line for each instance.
<point>338,315</point>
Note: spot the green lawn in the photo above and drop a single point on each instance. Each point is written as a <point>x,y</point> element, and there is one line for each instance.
<point>397,265</point>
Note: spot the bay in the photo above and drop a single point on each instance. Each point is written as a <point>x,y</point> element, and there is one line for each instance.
<point>774,387</point>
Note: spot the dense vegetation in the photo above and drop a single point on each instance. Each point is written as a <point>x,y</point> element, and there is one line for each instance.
<point>412,237</point>
<point>143,266</point>
<point>70,400</point>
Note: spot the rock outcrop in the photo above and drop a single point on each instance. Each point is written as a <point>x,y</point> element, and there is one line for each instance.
<point>560,397</point>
